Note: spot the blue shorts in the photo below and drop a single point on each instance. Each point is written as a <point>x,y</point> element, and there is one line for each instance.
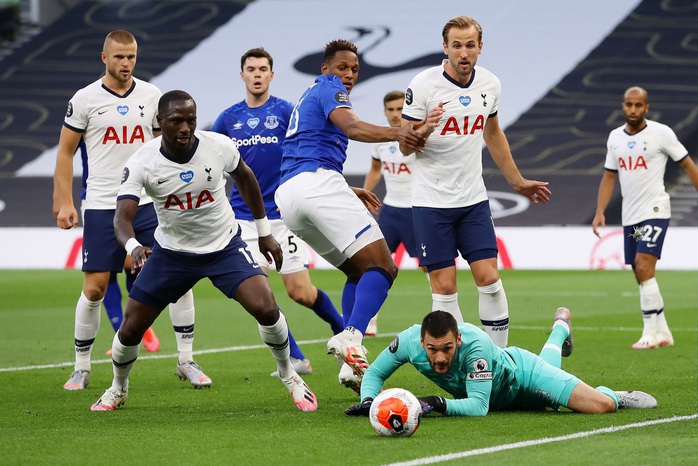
<point>167,275</point>
<point>396,224</point>
<point>442,233</point>
<point>101,252</point>
<point>651,242</point>
<point>542,385</point>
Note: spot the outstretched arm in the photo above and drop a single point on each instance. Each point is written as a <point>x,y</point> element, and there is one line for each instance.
<point>425,127</point>
<point>605,191</point>
<point>248,187</point>
<point>535,191</point>
<point>356,129</point>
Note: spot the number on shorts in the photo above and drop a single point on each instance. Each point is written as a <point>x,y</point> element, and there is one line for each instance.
<point>292,247</point>
<point>648,235</point>
<point>247,255</point>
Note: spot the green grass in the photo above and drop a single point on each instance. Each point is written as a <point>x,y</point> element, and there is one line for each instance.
<point>247,417</point>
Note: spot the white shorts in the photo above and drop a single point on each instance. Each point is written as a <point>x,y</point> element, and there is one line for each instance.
<point>294,249</point>
<point>321,209</point>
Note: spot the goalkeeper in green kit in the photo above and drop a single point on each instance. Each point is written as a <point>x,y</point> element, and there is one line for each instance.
<point>462,360</point>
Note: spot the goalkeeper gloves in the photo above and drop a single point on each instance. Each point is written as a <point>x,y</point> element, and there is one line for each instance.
<point>432,403</point>
<point>361,409</point>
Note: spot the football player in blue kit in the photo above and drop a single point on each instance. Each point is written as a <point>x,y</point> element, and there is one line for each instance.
<point>318,205</point>
<point>464,361</point>
<point>197,237</point>
<point>258,126</point>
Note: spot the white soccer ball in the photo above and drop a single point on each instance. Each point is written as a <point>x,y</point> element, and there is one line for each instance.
<point>395,412</point>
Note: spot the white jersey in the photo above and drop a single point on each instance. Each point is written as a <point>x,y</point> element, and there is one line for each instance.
<point>190,198</point>
<point>449,171</point>
<point>397,173</point>
<point>640,160</point>
<point>113,127</point>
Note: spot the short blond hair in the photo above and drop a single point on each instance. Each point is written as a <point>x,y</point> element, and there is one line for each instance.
<point>461,22</point>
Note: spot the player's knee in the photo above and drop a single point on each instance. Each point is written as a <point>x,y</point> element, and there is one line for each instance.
<point>129,334</point>
<point>94,291</point>
<point>301,295</point>
<point>267,316</point>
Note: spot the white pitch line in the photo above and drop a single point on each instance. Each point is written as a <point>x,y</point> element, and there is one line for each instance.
<point>307,342</point>
<point>530,443</point>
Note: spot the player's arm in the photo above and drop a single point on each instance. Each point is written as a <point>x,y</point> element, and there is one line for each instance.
<point>691,170</point>
<point>126,207</point>
<point>608,181</point>
<point>371,181</point>
<point>346,119</point>
<point>248,187</point>
<point>476,404</point>
<point>496,140</point>
<point>423,128</point>
<point>63,206</point>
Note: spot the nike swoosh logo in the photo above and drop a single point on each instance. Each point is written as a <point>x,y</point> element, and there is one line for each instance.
<point>105,111</point>
<point>162,181</point>
<point>651,245</point>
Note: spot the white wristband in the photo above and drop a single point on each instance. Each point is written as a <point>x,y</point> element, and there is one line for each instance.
<point>263,226</point>
<point>131,244</point>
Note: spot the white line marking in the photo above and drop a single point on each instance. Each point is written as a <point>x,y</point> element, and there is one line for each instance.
<point>307,342</point>
<point>530,443</point>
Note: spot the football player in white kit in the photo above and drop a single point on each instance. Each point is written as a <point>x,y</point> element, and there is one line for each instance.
<point>197,237</point>
<point>115,115</point>
<point>637,154</point>
<point>395,216</point>
<point>449,201</point>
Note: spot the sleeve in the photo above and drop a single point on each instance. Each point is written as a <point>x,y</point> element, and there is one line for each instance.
<point>671,145</point>
<point>219,125</point>
<point>611,163</point>
<point>387,362</point>
<point>76,117</point>
<point>332,97</point>
<point>375,153</point>
<point>478,384</point>
<point>415,106</point>
<point>497,96</point>
<point>132,180</point>
<point>231,155</point>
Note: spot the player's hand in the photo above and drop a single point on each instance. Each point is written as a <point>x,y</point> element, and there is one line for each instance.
<point>426,407</point>
<point>432,403</point>
<point>67,217</point>
<point>271,250</point>
<point>369,199</point>
<point>139,256</point>
<point>361,409</point>
<point>409,138</point>
<point>536,191</point>
<point>599,220</point>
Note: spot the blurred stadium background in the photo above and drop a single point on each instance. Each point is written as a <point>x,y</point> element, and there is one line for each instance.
<point>563,65</point>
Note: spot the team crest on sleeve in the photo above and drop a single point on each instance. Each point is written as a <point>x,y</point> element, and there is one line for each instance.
<point>124,175</point>
<point>480,370</point>
<point>408,96</point>
<point>342,97</point>
<point>393,345</point>
<point>69,112</point>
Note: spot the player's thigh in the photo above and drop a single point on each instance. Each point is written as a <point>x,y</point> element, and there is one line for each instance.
<point>101,252</point>
<point>434,231</point>
<point>321,209</point>
<point>475,234</point>
<point>167,276</point>
<point>645,237</point>
<point>232,266</point>
<point>544,384</point>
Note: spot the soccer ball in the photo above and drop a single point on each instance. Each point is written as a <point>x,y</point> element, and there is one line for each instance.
<point>395,413</point>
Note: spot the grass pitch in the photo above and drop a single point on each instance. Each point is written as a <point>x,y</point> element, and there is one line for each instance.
<point>247,417</point>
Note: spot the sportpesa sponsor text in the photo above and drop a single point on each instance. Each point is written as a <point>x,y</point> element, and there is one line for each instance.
<point>256,139</point>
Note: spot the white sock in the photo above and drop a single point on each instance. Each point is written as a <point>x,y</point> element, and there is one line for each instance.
<point>651,303</point>
<point>276,338</point>
<point>87,315</point>
<point>123,358</point>
<point>447,303</point>
<point>494,312</point>
<point>182,315</point>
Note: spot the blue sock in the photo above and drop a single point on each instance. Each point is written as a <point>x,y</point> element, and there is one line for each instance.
<point>324,308</point>
<point>371,293</point>
<point>112,302</point>
<point>293,346</point>
<point>348,298</point>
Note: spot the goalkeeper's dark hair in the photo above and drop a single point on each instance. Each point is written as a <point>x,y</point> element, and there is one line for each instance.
<point>172,96</point>
<point>258,52</point>
<point>335,46</point>
<point>438,324</point>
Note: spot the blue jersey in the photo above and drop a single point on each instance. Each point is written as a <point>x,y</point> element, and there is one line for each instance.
<point>483,377</point>
<point>312,140</point>
<point>258,134</point>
